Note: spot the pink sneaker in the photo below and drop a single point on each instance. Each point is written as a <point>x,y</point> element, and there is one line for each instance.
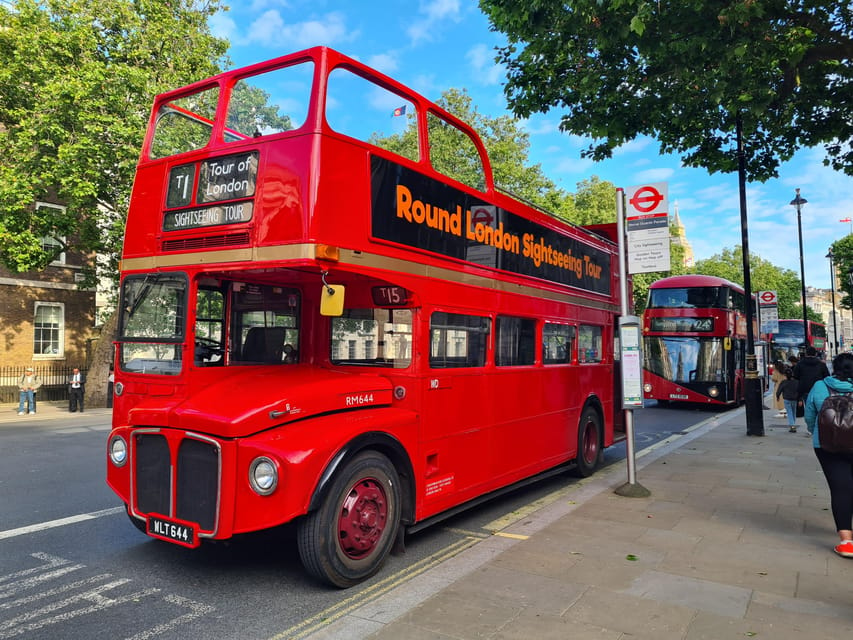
<point>845,549</point>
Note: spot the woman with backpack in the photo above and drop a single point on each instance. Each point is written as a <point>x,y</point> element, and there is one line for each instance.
<point>837,465</point>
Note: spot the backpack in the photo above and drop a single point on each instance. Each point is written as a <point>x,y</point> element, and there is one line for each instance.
<point>835,422</point>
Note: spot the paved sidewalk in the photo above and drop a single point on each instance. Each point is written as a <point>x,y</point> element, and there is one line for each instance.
<point>46,411</point>
<point>735,541</point>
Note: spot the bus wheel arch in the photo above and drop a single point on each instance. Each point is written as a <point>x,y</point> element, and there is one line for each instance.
<point>590,452</point>
<point>382,443</point>
<point>347,539</point>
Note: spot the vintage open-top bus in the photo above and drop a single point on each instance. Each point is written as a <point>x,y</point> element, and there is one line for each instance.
<point>320,325</point>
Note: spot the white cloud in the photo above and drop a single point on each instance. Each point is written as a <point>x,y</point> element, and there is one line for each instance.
<point>384,62</point>
<point>222,26</point>
<point>482,61</point>
<point>660,174</point>
<point>436,12</point>
<point>270,29</point>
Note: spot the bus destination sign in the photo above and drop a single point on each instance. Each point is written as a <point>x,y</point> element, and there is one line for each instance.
<point>222,178</point>
<point>217,179</point>
<point>231,213</point>
<point>682,325</point>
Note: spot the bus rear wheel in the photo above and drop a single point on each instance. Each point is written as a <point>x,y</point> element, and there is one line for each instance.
<point>590,450</point>
<point>348,538</point>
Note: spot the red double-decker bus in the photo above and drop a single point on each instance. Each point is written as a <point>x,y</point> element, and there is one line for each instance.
<point>790,340</point>
<point>694,341</point>
<point>325,325</point>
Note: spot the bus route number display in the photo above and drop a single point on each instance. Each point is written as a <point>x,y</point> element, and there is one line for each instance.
<point>685,325</point>
<point>223,178</point>
<point>390,296</point>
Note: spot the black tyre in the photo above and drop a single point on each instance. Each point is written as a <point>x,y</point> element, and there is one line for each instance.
<point>347,539</point>
<point>590,449</point>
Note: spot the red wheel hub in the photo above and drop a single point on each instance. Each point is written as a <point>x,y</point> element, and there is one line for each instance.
<point>363,517</point>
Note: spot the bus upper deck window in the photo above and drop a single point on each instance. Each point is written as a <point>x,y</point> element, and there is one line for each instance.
<point>184,124</point>
<point>269,102</point>
<point>464,164</point>
<point>361,109</point>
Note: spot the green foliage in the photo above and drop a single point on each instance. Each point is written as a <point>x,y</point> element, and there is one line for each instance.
<point>764,276</point>
<point>77,79</point>
<point>842,250</point>
<point>683,71</point>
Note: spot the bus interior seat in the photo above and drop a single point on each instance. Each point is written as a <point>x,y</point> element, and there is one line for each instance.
<point>264,344</point>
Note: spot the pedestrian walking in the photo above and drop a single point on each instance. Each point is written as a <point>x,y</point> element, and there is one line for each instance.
<point>787,392</point>
<point>807,371</point>
<point>76,390</point>
<point>837,466</point>
<point>777,377</point>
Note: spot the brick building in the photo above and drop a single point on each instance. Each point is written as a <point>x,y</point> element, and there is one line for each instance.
<point>47,321</point>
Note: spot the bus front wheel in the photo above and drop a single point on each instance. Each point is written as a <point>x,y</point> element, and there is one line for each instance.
<point>347,539</point>
<point>590,450</point>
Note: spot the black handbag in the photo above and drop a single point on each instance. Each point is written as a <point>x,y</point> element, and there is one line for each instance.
<point>801,410</point>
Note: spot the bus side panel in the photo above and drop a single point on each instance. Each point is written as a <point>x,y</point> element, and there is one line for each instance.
<point>302,451</point>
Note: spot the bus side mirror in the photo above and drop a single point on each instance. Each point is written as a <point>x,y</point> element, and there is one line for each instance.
<point>332,300</point>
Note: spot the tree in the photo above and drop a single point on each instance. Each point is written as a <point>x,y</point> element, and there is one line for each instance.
<point>77,79</point>
<point>684,72</point>
<point>764,276</point>
<point>842,250</point>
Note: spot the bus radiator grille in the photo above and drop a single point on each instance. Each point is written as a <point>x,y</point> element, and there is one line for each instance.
<point>196,479</point>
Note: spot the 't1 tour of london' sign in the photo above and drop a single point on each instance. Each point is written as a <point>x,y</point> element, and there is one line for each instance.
<point>219,179</point>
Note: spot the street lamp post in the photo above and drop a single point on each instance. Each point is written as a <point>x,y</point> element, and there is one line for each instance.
<point>832,285</point>
<point>798,202</point>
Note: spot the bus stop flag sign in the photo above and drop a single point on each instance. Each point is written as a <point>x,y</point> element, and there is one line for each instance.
<point>647,217</point>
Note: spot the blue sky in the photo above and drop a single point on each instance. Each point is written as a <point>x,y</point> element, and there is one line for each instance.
<point>435,45</point>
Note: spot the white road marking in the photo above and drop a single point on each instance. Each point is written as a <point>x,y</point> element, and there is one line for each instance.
<point>83,517</point>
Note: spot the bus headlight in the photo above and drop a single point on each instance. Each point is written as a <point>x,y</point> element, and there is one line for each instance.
<point>713,392</point>
<point>118,451</point>
<point>647,387</point>
<point>263,476</point>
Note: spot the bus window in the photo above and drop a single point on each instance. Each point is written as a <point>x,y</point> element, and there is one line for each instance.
<point>589,343</point>
<point>269,103</point>
<point>464,164</point>
<point>209,327</point>
<point>457,340</point>
<point>184,124</point>
<point>152,323</point>
<point>557,343</point>
<point>515,341</point>
<point>373,337</point>
<point>361,109</point>
<point>264,325</point>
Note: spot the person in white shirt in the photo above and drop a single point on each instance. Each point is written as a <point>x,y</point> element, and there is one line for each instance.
<point>76,390</point>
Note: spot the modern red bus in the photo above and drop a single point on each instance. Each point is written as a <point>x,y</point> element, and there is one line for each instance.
<point>319,330</point>
<point>694,341</point>
<point>789,339</point>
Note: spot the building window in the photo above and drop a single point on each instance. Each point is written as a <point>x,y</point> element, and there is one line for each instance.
<point>49,330</point>
<point>53,244</point>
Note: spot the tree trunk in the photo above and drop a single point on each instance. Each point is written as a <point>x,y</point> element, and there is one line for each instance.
<point>102,360</point>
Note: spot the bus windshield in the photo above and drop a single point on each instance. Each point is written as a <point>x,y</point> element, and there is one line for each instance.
<point>153,312</point>
<point>685,359</point>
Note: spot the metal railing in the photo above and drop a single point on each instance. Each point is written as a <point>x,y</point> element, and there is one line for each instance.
<point>54,379</point>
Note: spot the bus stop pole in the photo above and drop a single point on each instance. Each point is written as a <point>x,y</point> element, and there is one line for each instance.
<point>631,489</point>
